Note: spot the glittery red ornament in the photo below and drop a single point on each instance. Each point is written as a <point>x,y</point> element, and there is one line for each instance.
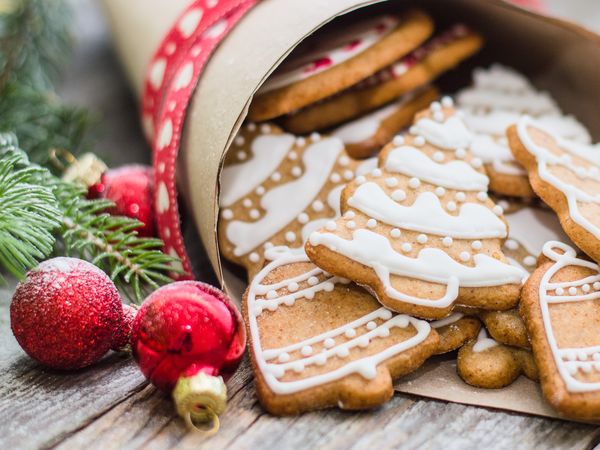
<point>66,314</point>
<point>185,337</point>
<point>131,189</point>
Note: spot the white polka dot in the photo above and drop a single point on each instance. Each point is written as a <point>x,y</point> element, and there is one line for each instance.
<point>447,241</point>
<point>559,291</point>
<point>267,245</point>
<point>290,236</point>
<point>413,130</point>
<point>216,30</point>
<point>419,141</point>
<point>498,210</point>
<point>306,350</point>
<point>251,126</point>
<point>241,155</point>
<point>350,215</point>
<point>166,133</point>
<point>391,182</point>
<point>315,137</point>
<point>572,290</point>
<point>447,102</point>
<point>438,116</point>
<point>460,196</point>
<point>318,205</point>
<point>414,183</point>
<point>313,281</point>
<point>265,128</point>
<point>440,191</point>
<point>227,214</point>
<point>296,171</point>
<point>395,232</point>
<point>350,333</point>
<point>464,256</point>
<point>293,286</point>
<point>239,140</point>
<point>184,76</point>
<point>300,142</point>
<point>254,214</point>
<point>328,343</point>
<point>460,153</point>
<point>371,223</point>
<point>406,247</point>
<point>398,140</point>
<point>376,172</point>
<point>438,156</point>
<point>260,190</point>
<point>253,257</point>
<point>585,288</point>
<point>476,245</point>
<point>348,175</point>
<point>529,260</point>
<point>351,224</point>
<point>247,203</point>
<point>482,196</point>
<point>292,156</point>
<point>451,206</point>
<point>335,177</point>
<point>190,21</point>
<point>511,244</point>
<point>162,203</point>
<point>371,325</point>
<point>303,218</point>
<point>342,352</point>
<point>399,195</point>
<point>157,73</point>
<point>435,106</point>
<point>276,176</point>
<point>360,179</point>
<point>596,285</point>
<point>476,162</point>
<point>283,357</point>
<point>330,225</point>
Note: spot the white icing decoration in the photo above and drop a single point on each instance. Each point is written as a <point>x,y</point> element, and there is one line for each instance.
<point>273,363</point>
<point>238,180</point>
<point>431,264</point>
<point>449,134</point>
<point>283,203</point>
<point>483,342</point>
<point>337,47</point>
<point>546,158</point>
<point>426,214</point>
<point>565,358</point>
<point>452,318</point>
<point>453,175</point>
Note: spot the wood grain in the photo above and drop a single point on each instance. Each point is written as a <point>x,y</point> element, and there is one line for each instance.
<point>109,406</point>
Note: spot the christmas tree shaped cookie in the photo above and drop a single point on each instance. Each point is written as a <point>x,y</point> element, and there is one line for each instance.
<point>272,185</point>
<point>565,174</point>
<point>317,340</point>
<point>420,230</point>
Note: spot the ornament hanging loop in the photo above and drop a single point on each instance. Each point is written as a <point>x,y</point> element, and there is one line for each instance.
<point>200,399</point>
<point>61,158</point>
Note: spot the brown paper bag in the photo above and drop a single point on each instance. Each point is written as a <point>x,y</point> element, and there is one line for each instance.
<point>559,56</point>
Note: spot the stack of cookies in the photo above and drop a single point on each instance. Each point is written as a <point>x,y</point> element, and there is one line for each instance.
<point>380,225</point>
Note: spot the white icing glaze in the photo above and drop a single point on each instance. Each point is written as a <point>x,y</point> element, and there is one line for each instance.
<point>500,78</point>
<point>365,127</point>
<point>412,162</point>
<point>273,363</point>
<point>333,200</point>
<point>333,48</point>
<point>483,342</point>
<point>449,134</point>
<point>283,203</point>
<point>566,358</point>
<point>452,318</point>
<point>238,180</point>
<point>427,215</point>
<point>545,158</point>
<point>432,264</point>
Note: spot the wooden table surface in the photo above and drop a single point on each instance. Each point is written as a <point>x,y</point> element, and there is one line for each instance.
<point>111,406</point>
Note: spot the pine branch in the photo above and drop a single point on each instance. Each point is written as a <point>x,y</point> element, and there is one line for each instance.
<point>30,211</point>
<point>43,123</point>
<point>35,41</point>
<point>135,263</point>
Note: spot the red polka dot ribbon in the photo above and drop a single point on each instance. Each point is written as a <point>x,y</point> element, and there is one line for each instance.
<point>170,81</point>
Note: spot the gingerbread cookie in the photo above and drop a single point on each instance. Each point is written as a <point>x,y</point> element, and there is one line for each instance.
<point>367,134</point>
<point>561,310</point>
<point>422,66</point>
<point>565,174</point>
<point>420,231</point>
<point>272,185</point>
<point>328,63</point>
<point>454,331</point>
<point>317,340</point>
<point>497,99</point>
<point>486,363</point>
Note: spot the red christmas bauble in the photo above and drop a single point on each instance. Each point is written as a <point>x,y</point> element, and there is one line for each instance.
<point>131,189</point>
<point>66,314</point>
<point>123,334</point>
<point>185,328</point>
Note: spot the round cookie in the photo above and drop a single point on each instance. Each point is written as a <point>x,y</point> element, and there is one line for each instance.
<point>486,363</point>
<point>420,230</point>
<point>422,66</point>
<point>335,61</point>
<point>317,340</point>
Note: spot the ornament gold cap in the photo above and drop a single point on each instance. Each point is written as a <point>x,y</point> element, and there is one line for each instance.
<point>200,399</point>
<point>85,170</point>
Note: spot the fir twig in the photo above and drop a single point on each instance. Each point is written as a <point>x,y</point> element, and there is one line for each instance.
<point>30,211</point>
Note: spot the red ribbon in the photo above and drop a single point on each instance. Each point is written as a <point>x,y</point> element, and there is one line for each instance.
<point>168,87</point>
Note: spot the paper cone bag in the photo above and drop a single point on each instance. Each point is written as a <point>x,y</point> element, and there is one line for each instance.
<point>558,56</point>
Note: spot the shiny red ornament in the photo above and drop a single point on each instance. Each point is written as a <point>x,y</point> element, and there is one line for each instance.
<point>186,338</point>
<point>131,188</point>
<point>66,314</point>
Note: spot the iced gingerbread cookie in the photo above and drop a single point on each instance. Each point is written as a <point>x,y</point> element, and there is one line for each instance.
<point>561,309</point>
<point>272,185</point>
<point>317,340</point>
<point>454,331</point>
<point>486,363</point>
<point>565,174</point>
<point>330,62</point>
<point>367,134</point>
<point>420,67</point>
<point>420,231</point>
<point>497,99</point>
